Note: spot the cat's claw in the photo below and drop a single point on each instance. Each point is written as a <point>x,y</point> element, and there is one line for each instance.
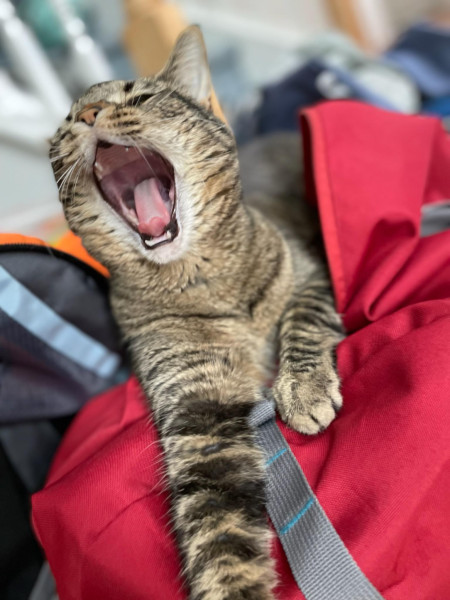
<point>308,402</point>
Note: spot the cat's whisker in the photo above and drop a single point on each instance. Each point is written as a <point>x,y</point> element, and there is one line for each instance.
<point>170,92</point>
<point>123,95</point>
<point>66,169</point>
<point>53,150</point>
<point>138,149</point>
<point>66,172</point>
<point>136,100</point>
<point>151,169</point>
<point>55,158</point>
<point>64,185</point>
<point>82,169</point>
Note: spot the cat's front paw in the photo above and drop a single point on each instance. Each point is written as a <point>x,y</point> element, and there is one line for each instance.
<point>308,402</point>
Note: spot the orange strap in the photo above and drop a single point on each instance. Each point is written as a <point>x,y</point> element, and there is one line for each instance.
<point>69,243</point>
<point>17,238</point>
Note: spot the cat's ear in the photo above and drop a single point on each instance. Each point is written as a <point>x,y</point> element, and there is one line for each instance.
<point>187,69</point>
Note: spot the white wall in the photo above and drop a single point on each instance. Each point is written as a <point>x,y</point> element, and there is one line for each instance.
<point>267,19</point>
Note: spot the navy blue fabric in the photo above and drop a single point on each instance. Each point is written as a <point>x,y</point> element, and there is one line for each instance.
<point>281,102</point>
<point>423,52</point>
<point>438,106</point>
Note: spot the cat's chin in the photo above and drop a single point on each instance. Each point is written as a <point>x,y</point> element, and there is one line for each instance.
<point>139,185</point>
<point>165,253</point>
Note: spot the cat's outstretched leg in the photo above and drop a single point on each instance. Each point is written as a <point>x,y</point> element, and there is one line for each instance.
<point>307,387</point>
<point>201,402</point>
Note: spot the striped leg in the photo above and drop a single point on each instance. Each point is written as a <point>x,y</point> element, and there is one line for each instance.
<point>201,403</point>
<point>307,387</point>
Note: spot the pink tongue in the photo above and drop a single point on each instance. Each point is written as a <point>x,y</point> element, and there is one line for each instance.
<point>152,212</point>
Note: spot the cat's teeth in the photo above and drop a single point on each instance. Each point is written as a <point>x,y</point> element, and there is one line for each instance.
<point>167,235</point>
<point>98,170</point>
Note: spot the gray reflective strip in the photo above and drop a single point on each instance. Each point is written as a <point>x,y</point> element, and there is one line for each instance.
<point>44,323</point>
<point>321,564</point>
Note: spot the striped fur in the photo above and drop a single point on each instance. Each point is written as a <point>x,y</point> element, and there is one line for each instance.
<point>204,316</point>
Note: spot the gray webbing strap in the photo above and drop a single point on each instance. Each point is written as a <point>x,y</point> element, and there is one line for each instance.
<point>321,564</point>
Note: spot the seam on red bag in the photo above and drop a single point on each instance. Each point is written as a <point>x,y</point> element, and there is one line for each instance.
<point>53,479</point>
<point>105,527</point>
<point>327,209</point>
<point>395,340</point>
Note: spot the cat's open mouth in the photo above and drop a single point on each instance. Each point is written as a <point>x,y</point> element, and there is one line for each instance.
<point>139,185</point>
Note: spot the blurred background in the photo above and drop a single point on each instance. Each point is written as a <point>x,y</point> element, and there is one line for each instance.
<point>266,58</point>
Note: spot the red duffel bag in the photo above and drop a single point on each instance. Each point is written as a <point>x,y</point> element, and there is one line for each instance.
<point>381,471</point>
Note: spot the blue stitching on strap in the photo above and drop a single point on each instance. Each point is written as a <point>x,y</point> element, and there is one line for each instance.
<point>297,517</point>
<point>275,456</point>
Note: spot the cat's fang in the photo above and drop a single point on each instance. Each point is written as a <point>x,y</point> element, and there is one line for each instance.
<point>151,243</point>
<point>98,170</point>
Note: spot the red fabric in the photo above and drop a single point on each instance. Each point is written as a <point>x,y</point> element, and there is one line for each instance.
<point>381,470</point>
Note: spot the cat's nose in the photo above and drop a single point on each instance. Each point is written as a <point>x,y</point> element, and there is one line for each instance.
<point>89,113</point>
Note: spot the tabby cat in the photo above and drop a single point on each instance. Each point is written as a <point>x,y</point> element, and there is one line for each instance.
<point>205,289</point>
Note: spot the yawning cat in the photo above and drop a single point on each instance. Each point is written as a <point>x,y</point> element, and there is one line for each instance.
<point>207,289</point>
